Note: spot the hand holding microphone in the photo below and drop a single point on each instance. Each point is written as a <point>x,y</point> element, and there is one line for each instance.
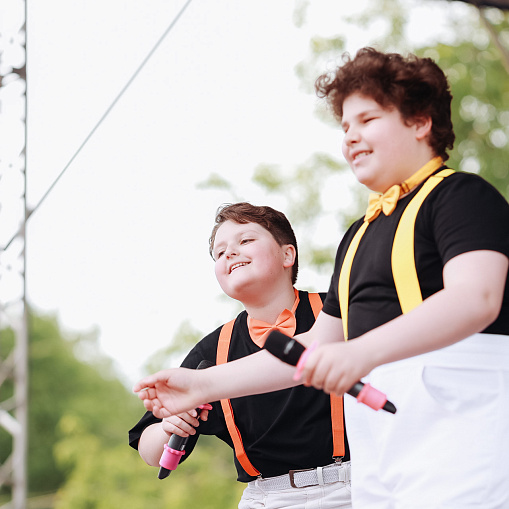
<point>174,449</point>
<point>292,352</point>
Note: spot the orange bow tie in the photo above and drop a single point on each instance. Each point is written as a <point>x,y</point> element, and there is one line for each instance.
<point>285,323</point>
<point>259,330</point>
<point>387,202</point>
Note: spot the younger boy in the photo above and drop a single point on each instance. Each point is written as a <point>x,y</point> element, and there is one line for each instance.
<point>286,442</point>
<point>420,288</point>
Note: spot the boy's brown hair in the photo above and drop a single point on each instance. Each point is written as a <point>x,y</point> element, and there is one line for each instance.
<point>272,220</point>
<point>416,86</point>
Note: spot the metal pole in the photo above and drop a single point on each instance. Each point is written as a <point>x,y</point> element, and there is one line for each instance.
<point>13,305</point>
<point>20,444</point>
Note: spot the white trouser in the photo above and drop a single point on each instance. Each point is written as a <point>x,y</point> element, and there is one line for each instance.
<point>447,447</point>
<point>267,494</point>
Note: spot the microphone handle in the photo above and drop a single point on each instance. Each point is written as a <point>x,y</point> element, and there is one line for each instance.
<point>289,350</point>
<point>174,449</point>
<point>175,443</point>
<point>356,389</point>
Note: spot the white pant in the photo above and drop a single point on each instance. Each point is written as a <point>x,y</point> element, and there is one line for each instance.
<point>447,447</point>
<point>328,496</point>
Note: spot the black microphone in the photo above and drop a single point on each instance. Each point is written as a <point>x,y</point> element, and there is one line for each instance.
<point>289,350</point>
<point>174,449</point>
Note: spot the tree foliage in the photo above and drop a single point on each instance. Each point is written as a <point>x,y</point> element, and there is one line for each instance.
<point>184,339</point>
<point>63,389</point>
<point>79,416</point>
<point>6,389</point>
<point>480,112</point>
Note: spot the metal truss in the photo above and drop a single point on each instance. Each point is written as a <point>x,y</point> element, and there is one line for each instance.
<point>13,308</point>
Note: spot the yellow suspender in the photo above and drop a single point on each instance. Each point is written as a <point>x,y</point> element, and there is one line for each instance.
<point>402,258</point>
<point>344,277</point>
<point>223,347</point>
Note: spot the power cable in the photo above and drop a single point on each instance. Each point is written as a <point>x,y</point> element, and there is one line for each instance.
<point>29,213</point>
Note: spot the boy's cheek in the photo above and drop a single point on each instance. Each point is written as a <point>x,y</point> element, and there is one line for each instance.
<point>219,268</point>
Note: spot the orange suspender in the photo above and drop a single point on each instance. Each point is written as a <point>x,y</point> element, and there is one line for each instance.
<point>222,357</point>
<point>316,303</point>
<point>223,347</point>
<point>338,428</point>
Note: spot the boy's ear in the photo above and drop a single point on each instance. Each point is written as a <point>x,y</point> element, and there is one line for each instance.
<point>289,255</point>
<point>423,127</point>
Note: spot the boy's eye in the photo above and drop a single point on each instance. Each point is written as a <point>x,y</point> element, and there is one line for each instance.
<point>219,254</point>
<point>246,241</point>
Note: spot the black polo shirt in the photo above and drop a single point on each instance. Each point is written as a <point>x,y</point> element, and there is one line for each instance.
<point>463,213</point>
<point>281,431</point>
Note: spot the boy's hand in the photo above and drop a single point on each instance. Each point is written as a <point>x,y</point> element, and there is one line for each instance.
<point>169,392</point>
<point>336,367</point>
<point>185,423</point>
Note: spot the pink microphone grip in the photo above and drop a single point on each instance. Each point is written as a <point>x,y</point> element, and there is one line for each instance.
<point>170,458</point>
<point>371,397</point>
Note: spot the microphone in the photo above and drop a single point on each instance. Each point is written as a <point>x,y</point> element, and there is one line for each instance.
<point>174,449</point>
<point>292,352</point>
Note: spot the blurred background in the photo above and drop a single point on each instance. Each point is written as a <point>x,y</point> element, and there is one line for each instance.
<point>123,127</point>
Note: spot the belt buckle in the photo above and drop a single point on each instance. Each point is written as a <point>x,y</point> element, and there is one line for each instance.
<point>292,473</point>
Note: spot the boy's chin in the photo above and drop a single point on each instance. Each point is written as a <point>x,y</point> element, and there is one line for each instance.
<point>363,177</point>
<point>240,291</point>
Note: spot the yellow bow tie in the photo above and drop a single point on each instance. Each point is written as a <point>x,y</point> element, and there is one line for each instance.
<point>285,323</point>
<point>387,202</point>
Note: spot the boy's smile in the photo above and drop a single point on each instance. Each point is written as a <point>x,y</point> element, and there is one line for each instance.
<point>358,154</point>
<point>379,146</point>
<point>236,266</point>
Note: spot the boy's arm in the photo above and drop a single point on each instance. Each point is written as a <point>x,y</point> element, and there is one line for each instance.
<point>151,444</point>
<point>175,390</point>
<point>474,284</point>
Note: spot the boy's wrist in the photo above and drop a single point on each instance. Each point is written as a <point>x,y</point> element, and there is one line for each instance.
<point>203,385</point>
<point>368,357</point>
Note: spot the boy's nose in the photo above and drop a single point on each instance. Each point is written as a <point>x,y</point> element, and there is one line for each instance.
<point>351,136</point>
<point>231,251</point>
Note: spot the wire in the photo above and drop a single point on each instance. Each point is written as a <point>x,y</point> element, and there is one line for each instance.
<point>29,213</point>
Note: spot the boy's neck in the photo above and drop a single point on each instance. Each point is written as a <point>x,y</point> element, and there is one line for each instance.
<point>422,157</point>
<point>269,306</point>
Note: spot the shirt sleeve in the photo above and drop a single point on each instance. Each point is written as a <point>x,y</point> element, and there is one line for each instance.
<point>466,213</point>
<point>204,350</point>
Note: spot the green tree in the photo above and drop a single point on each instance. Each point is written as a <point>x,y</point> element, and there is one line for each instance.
<point>103,476</point>
<point>79,416</point>
<point>6,392</point>
<point>480,86</point>
<point>63,387</point>
<point>184,339</point>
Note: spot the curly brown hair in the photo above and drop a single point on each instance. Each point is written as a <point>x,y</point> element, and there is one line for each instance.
<point>272,220</point>
<point>416,86</point>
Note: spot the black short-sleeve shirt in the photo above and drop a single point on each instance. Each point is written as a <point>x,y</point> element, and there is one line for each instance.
<point>463,213</point>
<point>281,431</point>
